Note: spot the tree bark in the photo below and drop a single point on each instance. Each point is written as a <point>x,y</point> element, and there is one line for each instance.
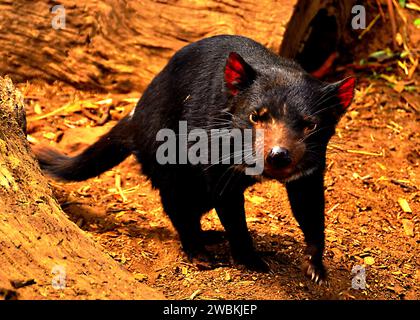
<point>120,45</point>
<point>37,240</point>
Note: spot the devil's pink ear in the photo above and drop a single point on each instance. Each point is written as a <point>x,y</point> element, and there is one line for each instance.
<point>346,91</point>
<point>238,74</point>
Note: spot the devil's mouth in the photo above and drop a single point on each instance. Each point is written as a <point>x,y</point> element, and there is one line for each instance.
<point>279,173</point>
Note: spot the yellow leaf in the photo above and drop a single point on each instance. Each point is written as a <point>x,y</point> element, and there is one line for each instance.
<point>408,226</point>
<point>369,260</point>
<point>131,100</point>
<point>404,67</point>
<point>256,200</point>
<point>390,79</point>
<point>105,101</point>
<point>404,205</point>
<point>49,135</point>
<point>119,214</point>
<point>354,114</point>
<point>140,277</point>
<point>37,109</point>
<point>399,39</point>
<point>412,6</point>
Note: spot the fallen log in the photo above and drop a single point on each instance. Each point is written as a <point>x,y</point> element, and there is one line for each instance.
<point>120,45</point>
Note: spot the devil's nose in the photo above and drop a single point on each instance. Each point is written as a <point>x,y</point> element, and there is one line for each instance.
<point>279,157</point>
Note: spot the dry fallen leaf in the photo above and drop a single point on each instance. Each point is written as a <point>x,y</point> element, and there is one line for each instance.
<point>49,135</point>
<point>369,261</point>
<point>404,205</point>
<point>37,109</point>
<point>399,39</point>
<point>338,255</point>
<point>184,270</point>
<point>119,214</point>
<point>408,227</point>
<point>399,87</point>
<point>354,114</point>
<point>140,277</point>
<point>412,6</point>
<point>256,199</point>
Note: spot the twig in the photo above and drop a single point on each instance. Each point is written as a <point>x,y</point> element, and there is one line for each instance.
<point>402,16</point>
<point>22,283</point>
<point>195,294</point>
<point>393,23</point>
<point>381,12</point>
<point>413,68</point>
<point>393,128</point>
<point>334,146</point>
<point>403,184</point>
<point>366,153</point>
<point>333,208</point>
<point>69,107</point>
<point>369,26</point>
<point>118,187</point>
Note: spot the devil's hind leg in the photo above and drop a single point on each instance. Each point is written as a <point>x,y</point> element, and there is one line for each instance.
<point>184,208</point>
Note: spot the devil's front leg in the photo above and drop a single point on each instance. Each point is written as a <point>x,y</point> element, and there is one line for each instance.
<point>306,196</point>
<point>231,212</point>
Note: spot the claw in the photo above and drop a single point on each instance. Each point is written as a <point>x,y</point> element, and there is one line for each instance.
<point>314,271</point>
<point>309,270</point>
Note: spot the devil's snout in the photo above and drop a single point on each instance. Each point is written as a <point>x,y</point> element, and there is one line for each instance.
<point>279,157</point>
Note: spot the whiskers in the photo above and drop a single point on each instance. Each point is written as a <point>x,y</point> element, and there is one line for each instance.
<point>303,139</point>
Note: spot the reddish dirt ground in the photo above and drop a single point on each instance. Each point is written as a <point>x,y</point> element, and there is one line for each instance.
<point>373,162</point>
<point>373,167</point>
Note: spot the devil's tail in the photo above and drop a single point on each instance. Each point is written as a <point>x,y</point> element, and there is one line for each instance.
<point>107,152</point>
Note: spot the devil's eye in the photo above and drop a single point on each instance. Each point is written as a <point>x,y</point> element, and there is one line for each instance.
<point>310,127</point>
<point>253,117</point>
<point>259,115</point>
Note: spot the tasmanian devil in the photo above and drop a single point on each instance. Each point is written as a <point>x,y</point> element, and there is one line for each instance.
<point>226,82</point>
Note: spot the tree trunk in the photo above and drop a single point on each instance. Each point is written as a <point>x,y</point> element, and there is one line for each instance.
<point>119,45</point>
<point>40,248</point>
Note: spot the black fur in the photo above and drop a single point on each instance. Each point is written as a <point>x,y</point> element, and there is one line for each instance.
<point>112,149</point>
<point>192,87</point>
